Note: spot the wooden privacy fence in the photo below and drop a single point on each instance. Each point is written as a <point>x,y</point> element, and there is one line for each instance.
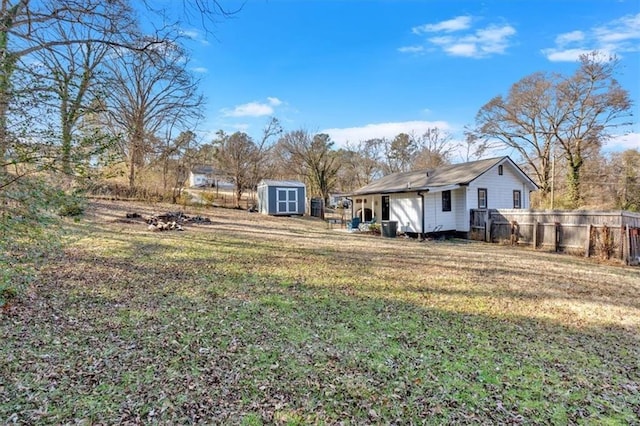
<point>611,234</point>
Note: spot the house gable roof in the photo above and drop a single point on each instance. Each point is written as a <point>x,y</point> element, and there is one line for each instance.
<point>451,175</point>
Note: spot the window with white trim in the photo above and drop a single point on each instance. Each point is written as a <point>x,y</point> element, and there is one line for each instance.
<point>517,199</point>
<point>482,198</point>
<point>446,201</point>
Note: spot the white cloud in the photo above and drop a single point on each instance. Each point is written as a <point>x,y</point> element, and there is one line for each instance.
<point>200,70</point>
<point>620,31</point>
<point>456,24</point>
<point>568,38</point>
<point>253,109</point>
<point>274,101</point>
<point>566,55</point>
<point>494,39</point>
<point>462,49</point>
<point>382,130</point>
<point>478,43</point>
<point>623,142</point>
<point>411,49</point>
<point>613,38</point>
<point>194,35</point>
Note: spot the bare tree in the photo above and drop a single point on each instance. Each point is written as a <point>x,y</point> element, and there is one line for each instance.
<point>399,153</point>
<point>361,163</point>
<point>473,147</point>
<point>315,158</point>
<point>28,27</point>
<point>589,104</point>
<point>175,156</point>
<point>624,168</point>
<point>434,148</point>
<point>236,156</point>
<point>151,92</point>
<point>521,122</point>
<point>543,113</point>
<point>270,130</point>
<point>72,73</point>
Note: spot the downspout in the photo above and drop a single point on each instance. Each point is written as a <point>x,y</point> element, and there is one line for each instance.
<point>422,231</point>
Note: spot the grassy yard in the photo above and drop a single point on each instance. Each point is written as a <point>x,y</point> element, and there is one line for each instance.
<point>260,320</point>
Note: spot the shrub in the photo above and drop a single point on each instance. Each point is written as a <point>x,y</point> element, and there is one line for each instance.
<point>72,205</point>
<point>208,197</point>
<point>27,237</point>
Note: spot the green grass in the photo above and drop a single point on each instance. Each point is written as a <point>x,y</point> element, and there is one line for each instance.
<point>278,320</point>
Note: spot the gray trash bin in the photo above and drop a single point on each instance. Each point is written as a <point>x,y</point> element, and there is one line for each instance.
<point>389,228</point>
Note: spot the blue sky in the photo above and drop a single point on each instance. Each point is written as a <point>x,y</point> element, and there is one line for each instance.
<point>362,69</point>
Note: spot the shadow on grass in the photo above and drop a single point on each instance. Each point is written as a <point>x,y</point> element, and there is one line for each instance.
<point>110,339</point>
<point>221,328</point>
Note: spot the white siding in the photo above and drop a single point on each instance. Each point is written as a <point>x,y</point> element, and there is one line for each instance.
<point>459,205</point>
<point>405,209</point>
<point>499,189</point>
<point>434,218</point>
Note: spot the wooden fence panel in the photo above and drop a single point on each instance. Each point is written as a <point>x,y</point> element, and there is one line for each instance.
<point>602,233</point>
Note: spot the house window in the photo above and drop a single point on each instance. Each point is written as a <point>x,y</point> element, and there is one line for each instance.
<point>482,198</point>
<point>500,170</point>
<point>446,201</point>
<point>517,199</point>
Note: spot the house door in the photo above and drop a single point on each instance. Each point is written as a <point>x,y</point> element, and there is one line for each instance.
<point>385,207</point>
<point>287,200</point>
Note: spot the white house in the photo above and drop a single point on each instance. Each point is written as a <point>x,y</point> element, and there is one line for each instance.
<point>440,199</point>
<point>202,176</point>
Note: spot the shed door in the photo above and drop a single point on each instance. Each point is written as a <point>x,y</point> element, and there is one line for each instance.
<point>287,200</point>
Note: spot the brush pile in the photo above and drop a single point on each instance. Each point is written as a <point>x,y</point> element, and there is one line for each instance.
<point>170,221</point>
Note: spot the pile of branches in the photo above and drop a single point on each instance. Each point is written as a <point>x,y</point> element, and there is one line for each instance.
<point>170,221</point>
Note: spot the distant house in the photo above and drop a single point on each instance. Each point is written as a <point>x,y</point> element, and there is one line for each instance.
<point>440,199</point>
<point>209,177</point>
<point>202,176</point>
<point>281,197</point>
<point>336,199</point>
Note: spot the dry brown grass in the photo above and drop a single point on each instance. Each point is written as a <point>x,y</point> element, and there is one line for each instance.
<point>255,319</point>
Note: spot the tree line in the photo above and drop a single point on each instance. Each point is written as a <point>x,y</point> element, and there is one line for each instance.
<point>314,159</point>
<point>82,87</point>
<point>555,125</point>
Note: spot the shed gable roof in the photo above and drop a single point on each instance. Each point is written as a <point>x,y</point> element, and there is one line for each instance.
<point>284,183</point>
<point>444,176</point>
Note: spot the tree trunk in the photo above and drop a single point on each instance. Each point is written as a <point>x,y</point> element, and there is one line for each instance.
<point>66,139</point>
<point>573,181</point>
<point>238,196</point>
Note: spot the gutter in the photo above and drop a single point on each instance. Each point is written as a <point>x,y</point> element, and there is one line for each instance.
<point>421,194</point>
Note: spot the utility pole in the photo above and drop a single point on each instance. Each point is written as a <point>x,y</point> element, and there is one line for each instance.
<point>553,178</point>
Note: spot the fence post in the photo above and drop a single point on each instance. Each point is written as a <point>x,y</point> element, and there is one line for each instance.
<point>515,232</point>
<point>557,236</point>
<point>535,234</point>
<point>587,244</point>
<point>626,244</point>
<point>487,230</point>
